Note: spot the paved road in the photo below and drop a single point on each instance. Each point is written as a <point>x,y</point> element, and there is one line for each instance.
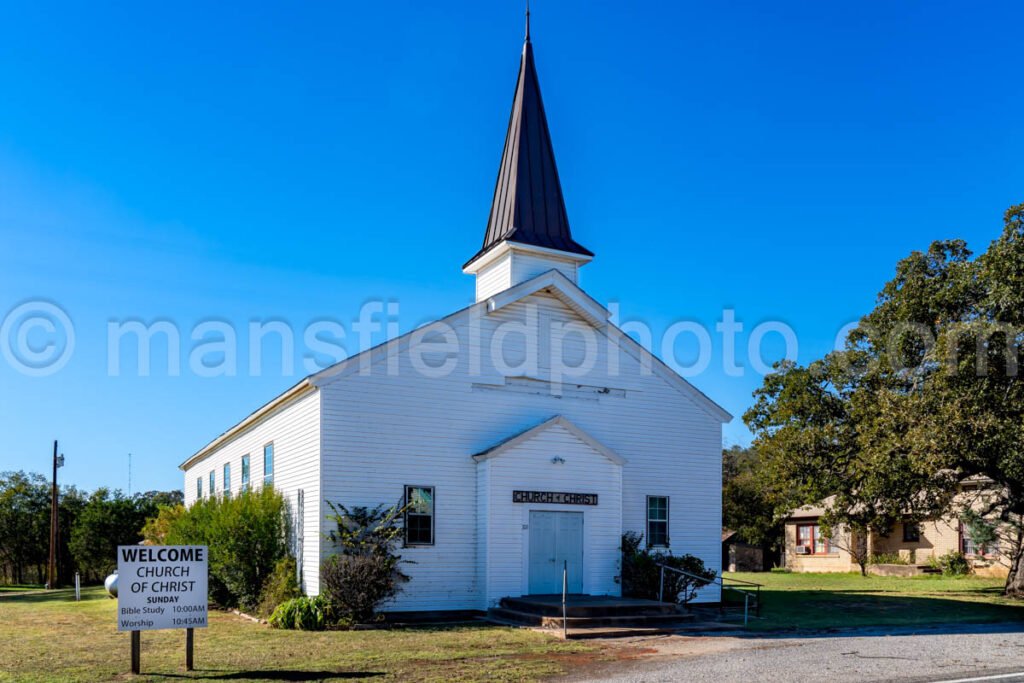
<point>975,653</point>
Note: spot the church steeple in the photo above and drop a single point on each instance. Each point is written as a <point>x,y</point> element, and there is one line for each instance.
<point>528,209</point>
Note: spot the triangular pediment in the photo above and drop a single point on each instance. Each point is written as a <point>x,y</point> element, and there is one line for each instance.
<point>562,288</point>
<point>558,421</point>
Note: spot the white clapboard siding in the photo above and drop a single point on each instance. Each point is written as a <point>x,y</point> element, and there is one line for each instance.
<point>516,266</point>
<point>382,430</point>
<point>494,277</point>
<point>526,266</point>
<point>294,429</point>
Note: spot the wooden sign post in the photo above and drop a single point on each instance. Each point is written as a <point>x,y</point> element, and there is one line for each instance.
<point>136,651</point>
<point>161,587</point>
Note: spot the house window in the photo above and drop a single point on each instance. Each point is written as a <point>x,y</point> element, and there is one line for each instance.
<point>268,464</point>
<point>809,537</point>
<point>245,472</point>
<point>969,547</point>
<point>213,483</point>
<point>657,521</point>
<point>419,515</point>
<point>199,488</point>
<point>227,479</point>
<point>911,532</point>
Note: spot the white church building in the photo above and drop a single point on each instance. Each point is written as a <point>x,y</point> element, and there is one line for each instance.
<point>528,430</point>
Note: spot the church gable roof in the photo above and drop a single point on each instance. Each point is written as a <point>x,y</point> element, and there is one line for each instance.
<point>555,284</point>
<point>528,206</point>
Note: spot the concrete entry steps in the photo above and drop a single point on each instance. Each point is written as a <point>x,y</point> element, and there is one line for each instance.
<point>594,616</point>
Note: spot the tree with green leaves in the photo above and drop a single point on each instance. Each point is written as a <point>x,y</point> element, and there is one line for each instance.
<point>24,527</point>
<point>925,394</point>
<point>107,520</point>
<point>747,506</point>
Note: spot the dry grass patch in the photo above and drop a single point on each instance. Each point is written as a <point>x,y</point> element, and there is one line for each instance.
<point>51,638</point>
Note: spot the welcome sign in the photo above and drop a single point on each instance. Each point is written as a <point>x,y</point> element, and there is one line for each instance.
<point>161,587</point>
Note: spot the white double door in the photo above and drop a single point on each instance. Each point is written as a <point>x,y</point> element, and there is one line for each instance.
<point>556,542</point>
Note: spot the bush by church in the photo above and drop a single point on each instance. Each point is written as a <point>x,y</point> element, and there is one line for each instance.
<point>642,575</point>
<point>247,535</point>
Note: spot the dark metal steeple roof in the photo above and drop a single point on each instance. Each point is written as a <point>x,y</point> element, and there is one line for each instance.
<point>528,206</point>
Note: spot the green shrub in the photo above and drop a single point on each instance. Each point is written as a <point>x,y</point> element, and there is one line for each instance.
<point>641,575</point>
<point>365,573</point>
<point>954,563</point>
<point>303,614</point>
<point>888,558</point>
<point>247,535</point>
<point>282,586</point>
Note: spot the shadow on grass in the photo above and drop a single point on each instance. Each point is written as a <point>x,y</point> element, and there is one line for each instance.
<point>994,591</point>
<point>814,613</point>
<point>278,675</point>
<point>56,595</point>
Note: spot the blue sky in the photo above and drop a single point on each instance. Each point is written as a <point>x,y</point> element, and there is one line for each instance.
<point>259,161</point>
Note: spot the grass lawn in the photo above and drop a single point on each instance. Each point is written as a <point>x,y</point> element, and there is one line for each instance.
<point>822,601</point>
<point>21,588</point>
<point>49,637</point>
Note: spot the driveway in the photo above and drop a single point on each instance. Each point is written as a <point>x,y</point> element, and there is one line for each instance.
<point>975,653</point>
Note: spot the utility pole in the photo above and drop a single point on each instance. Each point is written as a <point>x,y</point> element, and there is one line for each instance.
<point>51,574</point>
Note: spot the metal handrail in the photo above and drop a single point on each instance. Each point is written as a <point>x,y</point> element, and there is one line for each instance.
<point>720,580</point>
<point>565,590</point>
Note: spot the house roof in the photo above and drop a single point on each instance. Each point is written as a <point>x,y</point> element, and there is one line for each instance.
<point>812,511</point>
<point>528,206</point>
<point>557,421</point>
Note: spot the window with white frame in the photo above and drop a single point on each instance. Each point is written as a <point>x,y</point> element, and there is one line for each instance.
<point>268,464</point>
<point>199,488</point>
<point>227,480</point>
<point>657,522</point>
<point>245,473</point>
<point>213,483</point>
<point>419,515</point>
<point>968,546</point>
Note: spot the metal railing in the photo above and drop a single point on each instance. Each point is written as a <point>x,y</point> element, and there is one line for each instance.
<point>565,609</point>
<point>752,593</point>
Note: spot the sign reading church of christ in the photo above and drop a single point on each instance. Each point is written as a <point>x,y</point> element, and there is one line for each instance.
<point>554,497</point>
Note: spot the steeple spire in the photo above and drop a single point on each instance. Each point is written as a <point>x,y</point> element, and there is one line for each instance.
<point>528,207</point>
